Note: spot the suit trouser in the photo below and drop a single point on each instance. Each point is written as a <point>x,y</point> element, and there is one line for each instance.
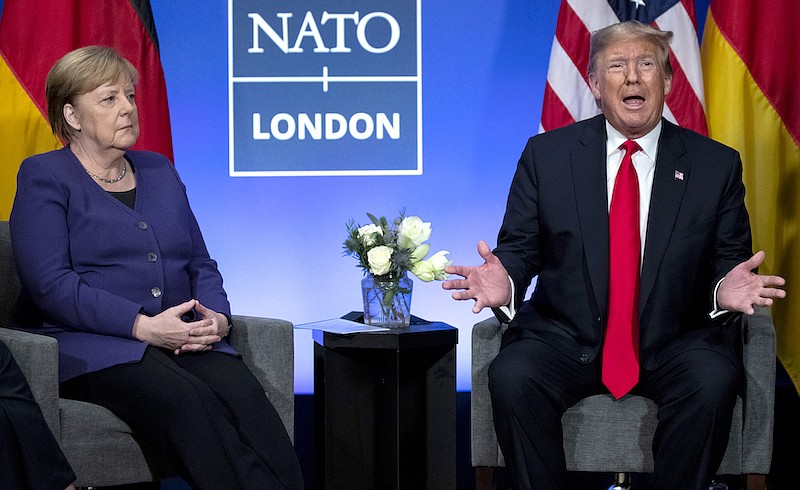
<point>532,385</point>
<point>30,458</point>
<point>205,412</point>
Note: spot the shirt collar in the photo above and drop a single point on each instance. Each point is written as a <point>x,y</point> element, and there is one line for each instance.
<point>648,142</point>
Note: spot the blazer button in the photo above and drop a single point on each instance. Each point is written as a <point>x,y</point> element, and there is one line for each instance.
<point>152,257</point>
<point>142,225</point>
<point>156,292</point>
<point>584,357</point>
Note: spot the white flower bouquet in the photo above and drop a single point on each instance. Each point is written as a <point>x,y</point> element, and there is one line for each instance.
<point>386,252</point>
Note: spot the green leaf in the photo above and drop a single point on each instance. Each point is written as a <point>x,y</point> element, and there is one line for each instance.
<point>375,220</point>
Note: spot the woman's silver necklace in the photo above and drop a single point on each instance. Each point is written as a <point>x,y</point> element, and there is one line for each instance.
<point>114,180</point>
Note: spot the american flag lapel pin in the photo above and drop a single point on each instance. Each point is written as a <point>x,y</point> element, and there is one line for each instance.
<point>678,175</point>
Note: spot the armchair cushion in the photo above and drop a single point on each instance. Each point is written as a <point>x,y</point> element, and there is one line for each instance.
<point>103,450</point>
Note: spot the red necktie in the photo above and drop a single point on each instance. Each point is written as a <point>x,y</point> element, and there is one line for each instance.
<point>621,345</point>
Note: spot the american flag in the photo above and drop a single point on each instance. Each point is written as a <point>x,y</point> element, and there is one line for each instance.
<point>567,97</point>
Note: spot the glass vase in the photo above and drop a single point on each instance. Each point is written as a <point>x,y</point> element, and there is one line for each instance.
<point>387,300</point>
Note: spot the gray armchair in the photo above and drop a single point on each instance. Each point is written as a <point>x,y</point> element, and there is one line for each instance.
<point>103,450</point>
<point>601,435</point>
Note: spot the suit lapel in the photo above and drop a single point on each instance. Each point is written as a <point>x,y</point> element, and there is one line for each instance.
<point>669,184</point>
<point>589,178</point>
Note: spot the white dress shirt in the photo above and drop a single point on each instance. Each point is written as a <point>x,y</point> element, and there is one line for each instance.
<point>645,164</point>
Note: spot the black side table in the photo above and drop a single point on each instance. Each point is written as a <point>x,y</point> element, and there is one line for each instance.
<point>385,408</point>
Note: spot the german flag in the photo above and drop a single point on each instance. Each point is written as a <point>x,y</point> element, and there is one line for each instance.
<point>750,54</point>
<point>34,34</point>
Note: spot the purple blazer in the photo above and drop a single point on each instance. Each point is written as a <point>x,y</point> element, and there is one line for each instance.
<point>89,264</point>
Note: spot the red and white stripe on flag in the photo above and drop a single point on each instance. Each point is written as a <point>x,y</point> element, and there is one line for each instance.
<point>567,97</point>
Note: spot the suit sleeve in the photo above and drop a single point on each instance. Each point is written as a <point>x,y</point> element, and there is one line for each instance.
<point>40,241</point>
<point>518,240</point>
<point>733,238</point>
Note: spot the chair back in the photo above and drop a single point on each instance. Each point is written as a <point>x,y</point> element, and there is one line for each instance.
<point>9,280</point>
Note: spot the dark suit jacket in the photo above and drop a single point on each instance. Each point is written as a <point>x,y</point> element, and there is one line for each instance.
<point>89,264</point>
<point>556,227</point>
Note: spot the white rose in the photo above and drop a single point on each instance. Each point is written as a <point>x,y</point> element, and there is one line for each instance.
<point>412,232</point>
<point>379,259</point>
<point>420,252</point>
<point>433,268</point>
<point>367,233</point>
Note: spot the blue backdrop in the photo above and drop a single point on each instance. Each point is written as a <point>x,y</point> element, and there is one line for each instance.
<point>278,240</point>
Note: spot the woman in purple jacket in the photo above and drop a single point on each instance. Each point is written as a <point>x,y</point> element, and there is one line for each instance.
<point>113,265</point>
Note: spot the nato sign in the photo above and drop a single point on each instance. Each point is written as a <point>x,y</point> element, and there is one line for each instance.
<point>324,88</point>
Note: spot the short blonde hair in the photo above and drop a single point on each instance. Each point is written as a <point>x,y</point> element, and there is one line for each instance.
<point>630,31</point>
<point>79,72</point>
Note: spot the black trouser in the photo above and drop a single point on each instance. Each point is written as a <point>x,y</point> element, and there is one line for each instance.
<point>30,458</point>
<point>532,385</point>
<point>205,412</point>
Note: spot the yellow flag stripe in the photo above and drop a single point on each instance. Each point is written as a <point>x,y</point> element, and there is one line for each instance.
<point>740,116</point>
<point>24,131</point>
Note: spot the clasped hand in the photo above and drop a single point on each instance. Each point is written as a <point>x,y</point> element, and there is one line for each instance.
<point>487,284</point>
<point>169,331</point>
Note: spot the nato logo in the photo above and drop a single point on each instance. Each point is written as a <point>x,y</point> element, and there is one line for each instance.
<point>324,88</point>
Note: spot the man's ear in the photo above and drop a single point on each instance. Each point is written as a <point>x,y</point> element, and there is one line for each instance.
<point>594,86</point>
<point>667,85</point>
<point>71,117</point>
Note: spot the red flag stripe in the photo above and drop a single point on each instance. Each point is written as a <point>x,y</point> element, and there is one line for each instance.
<point>688,110</point>
<point>685,46</point>
<point>593,14</point>
<point>573,36</point>
<point>688,6</point>
<point>558,115</point>
<point>569,85</point>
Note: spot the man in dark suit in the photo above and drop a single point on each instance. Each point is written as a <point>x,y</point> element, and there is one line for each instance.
<point>686,275</point>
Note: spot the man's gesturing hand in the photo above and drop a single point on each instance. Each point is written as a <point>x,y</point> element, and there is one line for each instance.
<point>742,289</point>
<point>487,284</point>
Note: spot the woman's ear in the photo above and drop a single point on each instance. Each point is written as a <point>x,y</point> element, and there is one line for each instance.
<point>71,117</point>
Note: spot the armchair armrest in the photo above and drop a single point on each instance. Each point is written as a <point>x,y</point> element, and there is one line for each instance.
<point>267,346</point>
<point>37,357</point>
<point>486,338</point>
<point>758,357</point>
